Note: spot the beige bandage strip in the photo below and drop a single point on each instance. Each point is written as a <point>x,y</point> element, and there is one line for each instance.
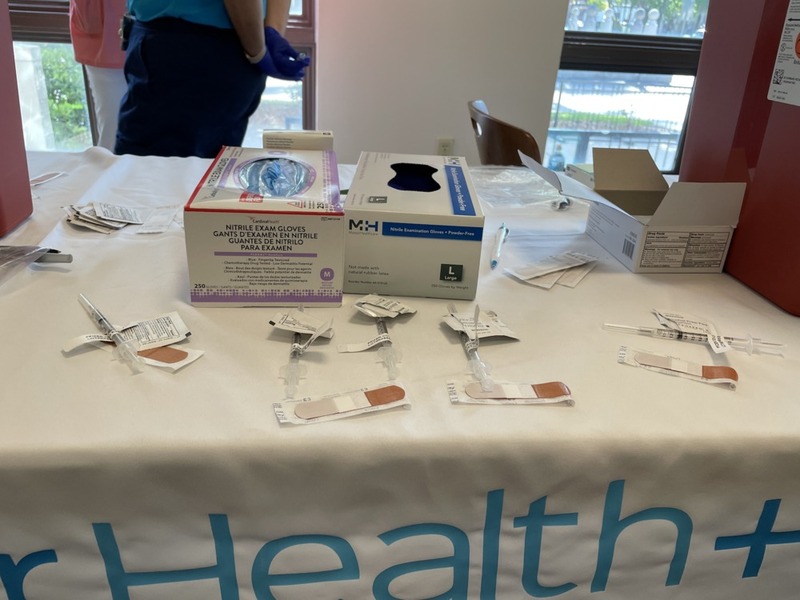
<point>718,372</point>
<point>164,354</point>
<point>509,391</point>
<point>334,405</point>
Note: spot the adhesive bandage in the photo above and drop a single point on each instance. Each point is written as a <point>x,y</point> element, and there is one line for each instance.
<point>527,391</point>
<point>553,392</point>
<point>669,365</point>
<point>341,405</point>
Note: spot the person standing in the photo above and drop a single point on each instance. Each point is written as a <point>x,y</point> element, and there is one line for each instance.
<point>196,70</point>
<point>94,29</point>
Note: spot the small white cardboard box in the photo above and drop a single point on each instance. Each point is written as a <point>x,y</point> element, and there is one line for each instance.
<point>648,225</point>
<point>266,228</point>
<point>297,139</point>
<point>414,227</point>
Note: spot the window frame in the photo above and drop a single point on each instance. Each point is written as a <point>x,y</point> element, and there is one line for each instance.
<point>632,53</point>
<point>597,51</point>
<point>47,21</point>
<point>300,32</point>
<point>40,20</point>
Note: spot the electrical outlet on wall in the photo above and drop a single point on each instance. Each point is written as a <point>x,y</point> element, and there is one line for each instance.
<point>444,146</point>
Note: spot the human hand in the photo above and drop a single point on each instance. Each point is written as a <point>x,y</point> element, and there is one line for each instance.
<point>281,61</point>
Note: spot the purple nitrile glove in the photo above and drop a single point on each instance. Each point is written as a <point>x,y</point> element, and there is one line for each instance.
<point>281,60</point>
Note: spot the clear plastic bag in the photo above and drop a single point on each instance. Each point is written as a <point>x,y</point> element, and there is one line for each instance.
<point>514,187</point>
<point>14,258</point>
<point>275,177</point>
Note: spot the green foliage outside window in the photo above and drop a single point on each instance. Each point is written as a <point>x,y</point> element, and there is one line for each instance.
<point>66,97</point>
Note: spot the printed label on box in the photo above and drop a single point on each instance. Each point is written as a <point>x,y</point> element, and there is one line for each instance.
<point>414,227</point>
<point>266,228</point>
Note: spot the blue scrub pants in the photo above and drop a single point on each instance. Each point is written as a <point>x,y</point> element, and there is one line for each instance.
<point>190,90</point>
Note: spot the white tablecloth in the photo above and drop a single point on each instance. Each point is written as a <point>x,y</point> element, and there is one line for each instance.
<point>185,486</point>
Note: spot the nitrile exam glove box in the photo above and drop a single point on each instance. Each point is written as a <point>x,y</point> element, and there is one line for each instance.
<point>414,227</point>
<point>648,225</point>
<point>266,228</point>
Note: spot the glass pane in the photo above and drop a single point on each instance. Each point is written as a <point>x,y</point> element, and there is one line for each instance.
<point>675,18</point>
<point>281,108</point>
<point>296,8</point>
<point>616,110</point>
<point>52,97</point>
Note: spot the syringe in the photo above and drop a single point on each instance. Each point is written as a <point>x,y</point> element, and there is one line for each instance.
<point>293,370</point>
<point>389,355</point>
<point>479,368</point>
<point>126,350</point>
<point>387,351</point>
<point>749,344</point>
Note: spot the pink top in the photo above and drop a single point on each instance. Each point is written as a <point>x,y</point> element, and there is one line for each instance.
<point>94,26</point>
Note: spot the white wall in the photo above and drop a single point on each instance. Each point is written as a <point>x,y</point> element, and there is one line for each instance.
<point>395,75</point>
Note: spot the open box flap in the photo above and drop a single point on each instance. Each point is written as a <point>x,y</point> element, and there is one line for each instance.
<point>630,179</point>
<point>627,170</point>
<point>700,204</point>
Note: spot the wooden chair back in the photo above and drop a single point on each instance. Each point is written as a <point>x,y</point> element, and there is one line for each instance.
<point>498,141</point>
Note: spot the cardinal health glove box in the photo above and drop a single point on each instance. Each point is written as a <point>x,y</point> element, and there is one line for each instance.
<point>266,228</point>
<point>414,227</point>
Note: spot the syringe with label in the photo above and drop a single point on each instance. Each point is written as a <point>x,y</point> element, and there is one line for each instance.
<point>293,370</point>
<point>479,368</point>
<point>749,344</point>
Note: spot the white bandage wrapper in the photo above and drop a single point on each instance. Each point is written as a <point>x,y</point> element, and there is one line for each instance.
<point>374,305</point>
<point>670,365</point>
<point>489,325</point>
<point>551,264</point>
<point>337,406</point>
<point>299,321</point>
<point>159,331</point>
<point>120,214</point>
<point>156,339</point>
<point>361,346</point>
<point>553,392</point>
<point>158,220</point>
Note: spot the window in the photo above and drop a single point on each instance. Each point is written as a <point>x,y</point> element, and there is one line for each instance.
<point>52,97</point>
<point>53,92</point>
<point>625,80</point>
<point>288,104</point>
